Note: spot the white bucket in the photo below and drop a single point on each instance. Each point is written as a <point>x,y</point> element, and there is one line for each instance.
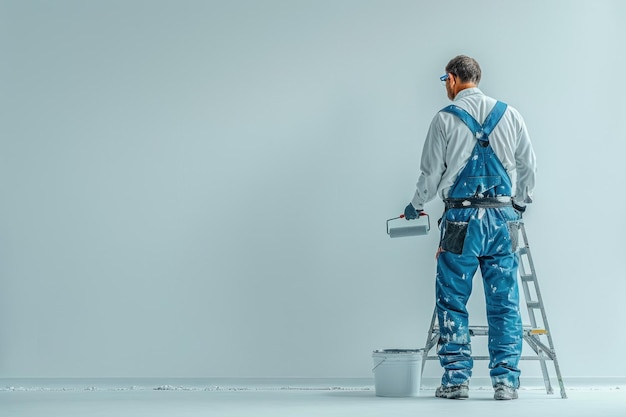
<point>397,372</point>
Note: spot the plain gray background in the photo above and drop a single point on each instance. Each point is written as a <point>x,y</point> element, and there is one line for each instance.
<point>200,188</point>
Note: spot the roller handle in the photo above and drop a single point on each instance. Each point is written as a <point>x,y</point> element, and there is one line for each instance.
<point>421,213</point>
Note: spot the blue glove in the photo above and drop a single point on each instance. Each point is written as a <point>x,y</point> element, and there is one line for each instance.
<point>410,213</point>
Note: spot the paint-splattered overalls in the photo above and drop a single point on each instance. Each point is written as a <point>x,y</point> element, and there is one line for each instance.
<point>479,228</point>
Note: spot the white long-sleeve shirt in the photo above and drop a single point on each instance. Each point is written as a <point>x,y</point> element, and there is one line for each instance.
<point>449,144</point>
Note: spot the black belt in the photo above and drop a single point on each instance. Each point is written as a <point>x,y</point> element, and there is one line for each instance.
<point>476,202</point>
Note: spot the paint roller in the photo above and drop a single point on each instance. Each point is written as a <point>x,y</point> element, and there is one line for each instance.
<point>404,228</point>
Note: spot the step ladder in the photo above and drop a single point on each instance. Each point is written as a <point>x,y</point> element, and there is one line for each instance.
<point>537,335</point>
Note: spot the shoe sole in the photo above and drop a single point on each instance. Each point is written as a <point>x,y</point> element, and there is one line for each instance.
<point>458,396</point>
<point>505,397</point>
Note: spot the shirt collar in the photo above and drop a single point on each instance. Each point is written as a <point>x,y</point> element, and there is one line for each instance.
<point>467,92</point>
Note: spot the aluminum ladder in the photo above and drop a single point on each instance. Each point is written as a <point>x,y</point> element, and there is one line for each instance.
<point>537,335</point>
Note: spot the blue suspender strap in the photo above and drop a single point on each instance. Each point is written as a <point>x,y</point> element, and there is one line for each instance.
<point>467,118</point>
<point>481,132</point>
<point>494,117</point>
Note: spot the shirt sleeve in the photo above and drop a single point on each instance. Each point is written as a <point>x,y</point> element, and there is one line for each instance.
<point>526,166</point>
<point>432,165</point>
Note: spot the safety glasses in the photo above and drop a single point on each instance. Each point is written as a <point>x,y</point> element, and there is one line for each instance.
<point>444,78</point>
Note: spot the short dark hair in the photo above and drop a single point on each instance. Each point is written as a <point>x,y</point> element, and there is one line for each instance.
<point>466,68</point>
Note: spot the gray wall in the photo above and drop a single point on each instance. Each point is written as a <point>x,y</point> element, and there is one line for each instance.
<point>200,188</point>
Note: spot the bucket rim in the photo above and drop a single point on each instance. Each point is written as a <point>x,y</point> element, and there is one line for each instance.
<point>399,351</point>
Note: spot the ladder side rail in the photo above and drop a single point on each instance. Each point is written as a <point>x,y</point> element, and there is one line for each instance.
<point>544,372</point>
<point>431,340</point>
<point>524,273</point>
<point>531,265</point>
<point>529,301</point>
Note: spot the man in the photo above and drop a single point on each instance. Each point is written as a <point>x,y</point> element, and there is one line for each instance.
<point>478,157</point>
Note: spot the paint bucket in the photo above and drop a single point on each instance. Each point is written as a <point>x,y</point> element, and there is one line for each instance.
<point>397,372</point>
<point>399,227</point>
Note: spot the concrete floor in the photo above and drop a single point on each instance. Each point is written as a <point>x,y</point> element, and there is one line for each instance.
<point>112,398</point>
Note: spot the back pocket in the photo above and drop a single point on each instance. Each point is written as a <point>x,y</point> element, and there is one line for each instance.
<point>454,236</point>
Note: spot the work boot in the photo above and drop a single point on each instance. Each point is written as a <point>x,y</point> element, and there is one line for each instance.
<point>504,392</point>
<point>453,392</point>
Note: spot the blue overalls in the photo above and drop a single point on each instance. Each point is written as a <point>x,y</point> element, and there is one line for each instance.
<point>479,228</point>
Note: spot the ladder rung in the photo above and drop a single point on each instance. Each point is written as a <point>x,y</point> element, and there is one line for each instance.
<point>533,304</point>
<point>527,277</point>
<point>486,358</point>
<point>484,330</point>
<point>478,330</point>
